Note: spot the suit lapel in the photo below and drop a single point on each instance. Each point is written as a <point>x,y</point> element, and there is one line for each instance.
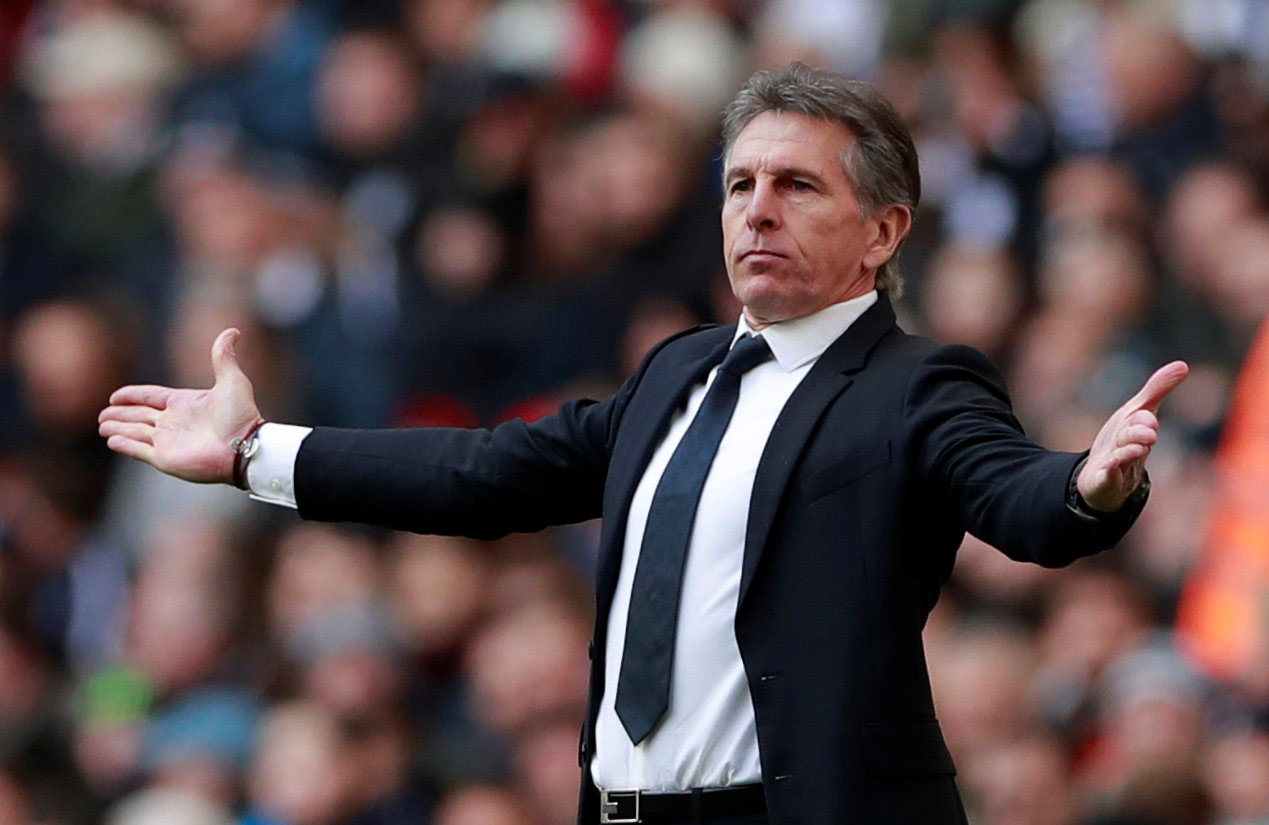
<point>662,392</point>
<point>830,376</point>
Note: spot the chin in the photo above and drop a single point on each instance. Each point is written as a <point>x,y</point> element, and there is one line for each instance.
<point>769,311</point>
<point>772,288</point>
<point>762,295</point>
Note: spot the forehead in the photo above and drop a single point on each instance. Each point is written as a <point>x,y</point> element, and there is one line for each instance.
<point>788,138</point>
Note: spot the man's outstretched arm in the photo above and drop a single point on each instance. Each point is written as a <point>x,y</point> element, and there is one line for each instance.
<point>516,477</point>
<point>1009,490</point>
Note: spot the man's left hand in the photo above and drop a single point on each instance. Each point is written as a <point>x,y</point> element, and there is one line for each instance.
<point>1117,462</point>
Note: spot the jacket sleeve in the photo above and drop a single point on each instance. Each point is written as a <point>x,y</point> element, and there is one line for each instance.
<point>515,478</point>
<point>1009,491</point>
<point>482,483</point>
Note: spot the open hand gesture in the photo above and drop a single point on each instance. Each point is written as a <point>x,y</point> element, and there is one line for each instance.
<point>185,433</point>
<point>1117,462</point>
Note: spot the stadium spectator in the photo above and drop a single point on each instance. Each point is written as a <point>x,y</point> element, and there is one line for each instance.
<point>449,211</point>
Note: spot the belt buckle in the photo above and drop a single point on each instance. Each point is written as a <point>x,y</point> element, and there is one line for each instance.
<point>610,807</point>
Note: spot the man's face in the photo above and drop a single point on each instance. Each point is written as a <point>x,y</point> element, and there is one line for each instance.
<point>793,234</point>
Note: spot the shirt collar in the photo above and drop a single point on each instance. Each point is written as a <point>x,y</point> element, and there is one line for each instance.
<point>797,342</point>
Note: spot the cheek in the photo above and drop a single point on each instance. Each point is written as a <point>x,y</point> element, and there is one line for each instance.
<point>732,221</point>
<point>839,244</point>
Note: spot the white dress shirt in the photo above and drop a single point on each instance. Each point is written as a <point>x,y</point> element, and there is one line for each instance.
<point>708,736</point>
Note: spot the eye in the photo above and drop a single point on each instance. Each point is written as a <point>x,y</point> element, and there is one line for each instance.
<point>801,185</point>
<point>741,185</point>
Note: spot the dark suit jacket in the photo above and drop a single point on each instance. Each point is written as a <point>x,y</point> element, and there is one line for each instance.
<point>886,453</point>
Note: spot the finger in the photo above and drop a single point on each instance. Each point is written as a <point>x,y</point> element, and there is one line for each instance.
<point>130,412</point>
<point>1129,452</point>
<point>147,394</point>
<point>224,354</point>
<point>1143,418</point>
<point>131,448</point>
<point>1108,467</point>
<point>1137,434</point>
<point>1164,380</point>
<point>134,432</point>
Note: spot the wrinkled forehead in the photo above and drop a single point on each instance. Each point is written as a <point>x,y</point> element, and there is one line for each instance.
<point>789,139</point>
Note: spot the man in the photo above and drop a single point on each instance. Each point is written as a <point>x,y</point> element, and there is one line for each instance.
<point>776,527</point>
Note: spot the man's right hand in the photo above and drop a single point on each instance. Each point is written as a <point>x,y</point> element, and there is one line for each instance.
<point>186,433</point>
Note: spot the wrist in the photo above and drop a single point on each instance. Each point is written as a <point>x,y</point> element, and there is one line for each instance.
<point>1100,503</point>
<point>1098,509</point>
<point>1101,506</point>
<point>1110,499</point>
<point>244,448</point>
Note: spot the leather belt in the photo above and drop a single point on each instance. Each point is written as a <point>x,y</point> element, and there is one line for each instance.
<point>631,807</point>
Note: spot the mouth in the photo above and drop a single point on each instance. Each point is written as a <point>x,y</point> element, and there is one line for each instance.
<point>762,254</point>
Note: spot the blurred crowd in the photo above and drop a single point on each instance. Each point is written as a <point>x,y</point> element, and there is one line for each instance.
<point>462,211</point>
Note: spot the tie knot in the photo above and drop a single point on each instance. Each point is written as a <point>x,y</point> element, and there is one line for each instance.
<point>748,353</point>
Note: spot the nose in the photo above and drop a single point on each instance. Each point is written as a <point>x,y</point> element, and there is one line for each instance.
<point>763,211</point>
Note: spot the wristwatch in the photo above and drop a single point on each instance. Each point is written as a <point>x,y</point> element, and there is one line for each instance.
<point>244,448</point>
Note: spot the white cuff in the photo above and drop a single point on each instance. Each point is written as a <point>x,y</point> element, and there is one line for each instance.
<point>271,471</point>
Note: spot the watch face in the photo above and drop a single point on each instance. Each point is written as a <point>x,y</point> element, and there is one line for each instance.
<point>244,448</point>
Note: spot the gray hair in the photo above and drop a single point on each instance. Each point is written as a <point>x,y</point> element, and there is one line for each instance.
<point>881,162</point>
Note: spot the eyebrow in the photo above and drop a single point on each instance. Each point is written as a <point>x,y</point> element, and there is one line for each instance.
<point>778,171</point>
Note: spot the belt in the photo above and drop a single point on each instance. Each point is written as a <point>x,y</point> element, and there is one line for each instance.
<point>688,806</point>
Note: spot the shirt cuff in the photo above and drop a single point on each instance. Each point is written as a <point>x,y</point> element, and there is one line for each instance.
<point>271,471</point>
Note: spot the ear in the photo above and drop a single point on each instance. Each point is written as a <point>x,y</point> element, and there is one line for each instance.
<point>892,225</point>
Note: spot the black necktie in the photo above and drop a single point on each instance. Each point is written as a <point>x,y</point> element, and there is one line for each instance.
<point>643,688</point>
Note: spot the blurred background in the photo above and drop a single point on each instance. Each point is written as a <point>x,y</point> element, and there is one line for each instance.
<point>461,211</point>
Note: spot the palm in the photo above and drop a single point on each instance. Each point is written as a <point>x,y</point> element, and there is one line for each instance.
<point>1117,459</point>
<point>185,433</point>
<point>192,434</point>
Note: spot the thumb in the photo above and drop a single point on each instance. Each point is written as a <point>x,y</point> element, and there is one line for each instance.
<point>224,354</point>
<point>1164,380</point>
